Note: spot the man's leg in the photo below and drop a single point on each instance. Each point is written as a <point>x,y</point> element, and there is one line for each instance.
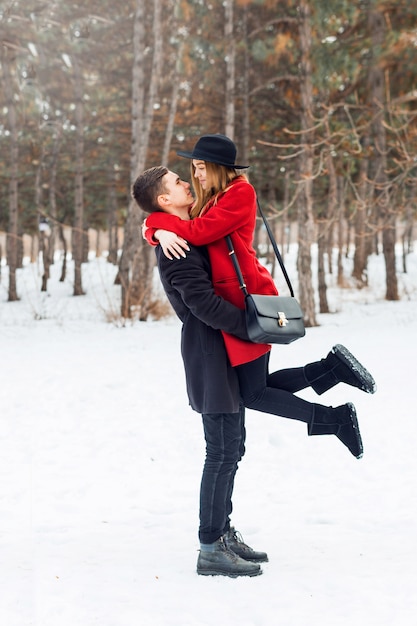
<point>225,437</point>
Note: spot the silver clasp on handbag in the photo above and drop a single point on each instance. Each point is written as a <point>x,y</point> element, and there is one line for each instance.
<point>282,319</point>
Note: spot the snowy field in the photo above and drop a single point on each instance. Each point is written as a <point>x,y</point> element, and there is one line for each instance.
<point>101,460</point>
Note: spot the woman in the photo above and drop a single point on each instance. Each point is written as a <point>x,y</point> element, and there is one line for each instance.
<point>226,205</point>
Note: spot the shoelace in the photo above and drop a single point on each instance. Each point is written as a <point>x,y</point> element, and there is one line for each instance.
<point>225,548</point>
<point>237,538</point>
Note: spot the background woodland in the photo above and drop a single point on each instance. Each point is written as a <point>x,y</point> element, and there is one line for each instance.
<point>320,98</point>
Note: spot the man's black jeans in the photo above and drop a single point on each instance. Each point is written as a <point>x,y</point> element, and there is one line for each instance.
<point>225,445</point>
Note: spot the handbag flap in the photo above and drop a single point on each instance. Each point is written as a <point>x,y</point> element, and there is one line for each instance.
<point>269,306</point>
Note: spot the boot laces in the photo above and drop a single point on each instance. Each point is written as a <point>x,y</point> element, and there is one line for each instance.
<point>234,536</point>
<point>225,548</point>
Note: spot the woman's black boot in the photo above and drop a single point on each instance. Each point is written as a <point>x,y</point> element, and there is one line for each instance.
<point>340,421</point>
<point>340,366</point>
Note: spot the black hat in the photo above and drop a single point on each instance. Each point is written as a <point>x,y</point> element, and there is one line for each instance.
<point>217,149</point>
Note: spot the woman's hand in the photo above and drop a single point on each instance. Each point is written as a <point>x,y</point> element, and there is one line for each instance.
<point>171,244</point>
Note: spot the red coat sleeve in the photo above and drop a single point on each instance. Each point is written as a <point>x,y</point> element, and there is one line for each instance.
<point>149,233</point>
<point>235,209</point>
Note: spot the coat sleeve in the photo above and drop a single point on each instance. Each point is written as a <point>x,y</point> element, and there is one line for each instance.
<point>234,209</point>
<point>190,278</point>
<point>149,235</point>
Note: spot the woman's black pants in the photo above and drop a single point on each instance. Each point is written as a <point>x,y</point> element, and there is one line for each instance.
<point>274,393</point>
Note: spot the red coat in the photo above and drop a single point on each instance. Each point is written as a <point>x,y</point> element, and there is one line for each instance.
<point>234,214</point>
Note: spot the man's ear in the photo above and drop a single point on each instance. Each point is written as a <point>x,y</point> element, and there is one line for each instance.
<point>163,201</point>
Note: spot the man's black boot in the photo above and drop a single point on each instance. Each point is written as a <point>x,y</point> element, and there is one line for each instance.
<point>234,541</point>
<point>340,421</point>
<point>223,562</point>
<point>340,366</point>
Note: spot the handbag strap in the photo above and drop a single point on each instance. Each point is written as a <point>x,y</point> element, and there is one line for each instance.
<point>232,255</point>
<point>235,262</point>
<point>275,247</point>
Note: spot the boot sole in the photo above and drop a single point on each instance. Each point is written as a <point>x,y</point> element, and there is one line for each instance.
<point>355,425</point>
<point>364,378</point>
<point>263,560</point>
<point>228,574</point>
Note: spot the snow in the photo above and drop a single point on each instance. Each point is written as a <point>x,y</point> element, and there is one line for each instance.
<point>101,459</point>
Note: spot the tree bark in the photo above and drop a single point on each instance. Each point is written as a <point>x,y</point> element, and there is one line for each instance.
<point>56,147</point>
<point>360,259</point>
<point>230,69</point>
<point>376,81</point>
<point>305,203</point>
<point>12,247</point>
<point>138,259</point>
<point>43,226</point>
<point>78,229</point>
<point>245,90</point>
<point>112,225</point>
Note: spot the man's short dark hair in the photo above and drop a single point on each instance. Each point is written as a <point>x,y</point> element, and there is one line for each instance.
<point>148,186</point>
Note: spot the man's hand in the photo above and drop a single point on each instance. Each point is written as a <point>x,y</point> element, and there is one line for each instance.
<point>171,244</point>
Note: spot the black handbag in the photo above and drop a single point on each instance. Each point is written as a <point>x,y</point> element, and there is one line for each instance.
<point>270,319</point>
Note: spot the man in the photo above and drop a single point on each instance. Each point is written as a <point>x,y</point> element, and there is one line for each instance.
<point>212,384</point>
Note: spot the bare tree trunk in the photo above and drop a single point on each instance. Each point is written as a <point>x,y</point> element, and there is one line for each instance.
<point>230,69</point>
<point>246,90</point>
<point>305,203</point>
<point>12,248</point>
<point>138,260</point>
<point>64,258</point>
<point>286,224</point>
<point>271,198</point>
<point>175,80</point>
<point>173,107</point>
<point>407,237</point>
<point>131,232</point>
<point>42,224</point>
<point>360,259</point>
<point>57,141</point>
<point>112,217</point>
<point>324,223</point>
<point>377,89</point>
<point>77,232</point>
<point>340,227</point>
<point>44,244</point>
<point>321,271</point>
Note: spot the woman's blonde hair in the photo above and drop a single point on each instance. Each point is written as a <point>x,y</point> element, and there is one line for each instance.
<point>219,178</point>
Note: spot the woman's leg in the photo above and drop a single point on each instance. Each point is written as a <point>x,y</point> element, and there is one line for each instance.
<point>263,391</point>
<point>225,437</point>
<point>291,379</point>
<point>322,420</point>
<point>339,366</point>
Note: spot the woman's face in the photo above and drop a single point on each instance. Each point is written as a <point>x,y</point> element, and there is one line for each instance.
<point>200,172</point>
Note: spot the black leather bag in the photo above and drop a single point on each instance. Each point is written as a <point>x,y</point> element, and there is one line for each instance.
<point>273,319</point>
<point>270,319</point>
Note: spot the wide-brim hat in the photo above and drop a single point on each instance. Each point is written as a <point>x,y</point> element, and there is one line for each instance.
<point>217,149</point>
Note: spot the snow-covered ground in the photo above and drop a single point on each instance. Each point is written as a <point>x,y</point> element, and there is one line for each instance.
<point>101,459</point>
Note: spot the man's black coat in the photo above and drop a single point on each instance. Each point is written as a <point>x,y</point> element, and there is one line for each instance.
<point>212,383</point>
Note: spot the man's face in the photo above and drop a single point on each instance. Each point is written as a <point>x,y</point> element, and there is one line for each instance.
<point>178,194</point>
